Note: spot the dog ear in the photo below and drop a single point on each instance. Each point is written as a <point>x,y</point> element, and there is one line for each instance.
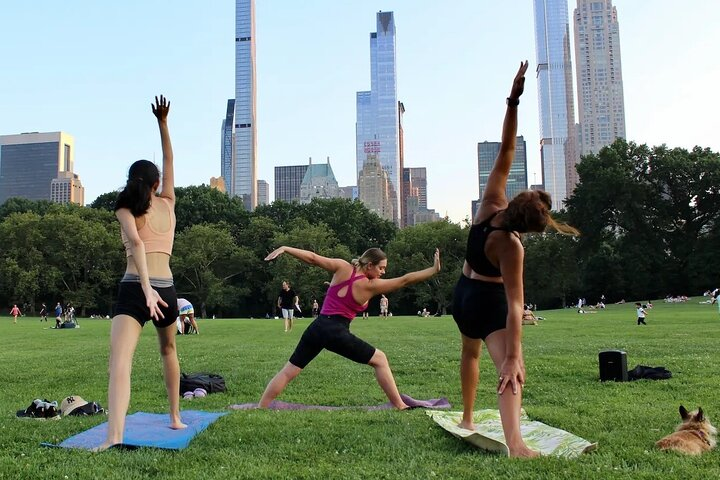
<point>699,417</point>
<point>683,413</point>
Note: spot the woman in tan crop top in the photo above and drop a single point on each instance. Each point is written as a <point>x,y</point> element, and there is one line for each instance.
<point>488,302</point>
<point>147,221</point>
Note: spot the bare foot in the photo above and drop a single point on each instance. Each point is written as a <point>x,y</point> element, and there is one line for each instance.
<point>403,406</point>
<point>102,447</point>
<point>177,425</point>
<point>523,452</point>
<point>467,425</point>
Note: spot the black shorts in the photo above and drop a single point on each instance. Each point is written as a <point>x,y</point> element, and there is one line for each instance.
<point>479,307</point>
<point>131,301</point>
<point>331,332</point>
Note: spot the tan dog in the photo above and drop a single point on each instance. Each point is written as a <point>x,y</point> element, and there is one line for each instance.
<point>695,435</point>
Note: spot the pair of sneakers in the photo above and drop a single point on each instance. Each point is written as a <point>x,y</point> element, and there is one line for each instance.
<point>197,393</point>
<point>41,409</point>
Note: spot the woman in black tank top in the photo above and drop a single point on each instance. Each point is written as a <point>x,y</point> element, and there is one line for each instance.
<point>488,299</point>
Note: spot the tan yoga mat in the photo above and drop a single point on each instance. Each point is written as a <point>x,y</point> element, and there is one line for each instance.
<point>488,434</point>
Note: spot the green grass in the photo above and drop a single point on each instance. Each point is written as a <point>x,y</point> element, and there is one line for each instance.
<point>562,390</point>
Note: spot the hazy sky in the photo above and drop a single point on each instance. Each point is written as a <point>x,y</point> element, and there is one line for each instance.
<point>91,69</point>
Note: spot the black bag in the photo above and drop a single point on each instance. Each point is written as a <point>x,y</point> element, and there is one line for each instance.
<point>651,373</point>
<point>211,382</point>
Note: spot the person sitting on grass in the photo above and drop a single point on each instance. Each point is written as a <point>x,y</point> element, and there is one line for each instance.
<point>351,288</point>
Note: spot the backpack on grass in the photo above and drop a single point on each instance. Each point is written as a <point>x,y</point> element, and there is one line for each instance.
<point>211,382</point>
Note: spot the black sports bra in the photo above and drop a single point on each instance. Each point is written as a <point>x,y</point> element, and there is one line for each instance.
<point>475,254</point>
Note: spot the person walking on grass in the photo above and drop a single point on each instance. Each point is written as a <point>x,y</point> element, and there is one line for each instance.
<point>287,299</point>
<point>641,313</point>
<point>146,290</point>
<point>43,313</point>
<point>352,286</point>
<point>488,298</point>
<point>15,312</point>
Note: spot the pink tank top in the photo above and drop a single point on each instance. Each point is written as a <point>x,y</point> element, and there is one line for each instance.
<point>344,306</point>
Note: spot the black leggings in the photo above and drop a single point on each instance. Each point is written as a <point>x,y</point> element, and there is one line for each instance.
<point>331,332</point>
<point>479,307</point>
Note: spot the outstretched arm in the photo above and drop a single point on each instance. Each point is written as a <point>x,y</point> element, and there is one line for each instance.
<point>160,109</point>
<point>378,286</point>
<point>495,188</point>
<point>311,258</point>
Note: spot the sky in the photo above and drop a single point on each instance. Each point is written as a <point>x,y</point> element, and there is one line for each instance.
<point>92,68</point>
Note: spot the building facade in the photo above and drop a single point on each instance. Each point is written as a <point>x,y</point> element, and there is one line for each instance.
<point>287,182</point>
<point>263,192</point>
<point>244,174</point>
<point>601,104</point>
<point>375,190</point>
<point>319,182</point>
<point>378,115</point>
<point>31,162</point>
<point>517,180</point>
<point>558,143</point>
<point>227,143</point>
<point>67,188</point>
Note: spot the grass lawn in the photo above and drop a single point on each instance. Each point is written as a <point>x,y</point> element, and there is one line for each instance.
<point>562,390</point>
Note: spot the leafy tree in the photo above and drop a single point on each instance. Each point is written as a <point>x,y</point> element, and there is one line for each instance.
<point>21,205</point>
<point>210,268</point>
<point>412,249</point>
<point>106,201</point>
<point>197,205</point>
<point>551,272</point>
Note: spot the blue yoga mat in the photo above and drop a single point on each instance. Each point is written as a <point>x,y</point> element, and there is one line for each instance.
<point>147,430</point>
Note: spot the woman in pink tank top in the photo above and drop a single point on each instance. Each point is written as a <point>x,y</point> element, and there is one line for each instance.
<point>352,286</point>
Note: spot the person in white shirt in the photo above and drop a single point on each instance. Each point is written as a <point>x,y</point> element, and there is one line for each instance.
<point>641,313</point>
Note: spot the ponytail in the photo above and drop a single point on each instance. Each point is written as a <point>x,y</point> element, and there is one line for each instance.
<point>142,178</point>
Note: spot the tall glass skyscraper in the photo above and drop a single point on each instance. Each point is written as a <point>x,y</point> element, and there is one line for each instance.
<point>517,180</point>
<point>244,170</point>
<point>558,145</point>
<point>601,104</point>
<point>226,143</point>
<point>378,123</point>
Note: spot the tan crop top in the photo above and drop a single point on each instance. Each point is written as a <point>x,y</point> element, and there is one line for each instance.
<point>154,241</point>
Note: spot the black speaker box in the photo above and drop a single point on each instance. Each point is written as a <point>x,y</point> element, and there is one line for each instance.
<point>613,365</point>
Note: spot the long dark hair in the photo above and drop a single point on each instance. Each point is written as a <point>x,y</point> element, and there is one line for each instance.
<point>529,211</point>
<point>142,177</point>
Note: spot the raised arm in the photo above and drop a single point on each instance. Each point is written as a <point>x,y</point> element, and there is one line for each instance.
<point>137,251</point>
<point>311,258</point>
<point>160,109</point>
<point>377,286</point>
<point>495,188</point>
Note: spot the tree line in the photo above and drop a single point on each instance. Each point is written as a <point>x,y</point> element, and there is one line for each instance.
<point>648,219</point>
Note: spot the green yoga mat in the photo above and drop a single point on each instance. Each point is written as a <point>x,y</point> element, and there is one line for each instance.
<point>488,434</point>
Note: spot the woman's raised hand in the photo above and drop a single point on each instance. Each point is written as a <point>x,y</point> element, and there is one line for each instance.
<point>161,108</point>
<point>436,260</point>
<point>275,253</point>
<point>519,81</point>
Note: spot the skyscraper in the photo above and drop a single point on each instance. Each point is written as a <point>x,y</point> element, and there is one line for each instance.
<point>319,182</point>
<point>517,180</point>
<point>31,162</point>
<point>558,145</point>
<point>67,188</point>
<point>227,143</point>
<point>263,189</point>
<point>374,189</point>
<point>244,174</point>
<point>601,104</point>
<point>287,182</point>
<point>378,122</point>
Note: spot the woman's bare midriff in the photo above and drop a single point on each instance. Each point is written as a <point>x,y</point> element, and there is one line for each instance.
<point>158,265</point>
<point>470,273</point>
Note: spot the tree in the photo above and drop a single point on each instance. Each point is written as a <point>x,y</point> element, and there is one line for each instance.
<point>211,269</point>
<point>551,269</point>
<point>21,205</point>
<point>412,249</point>
<point>197,205</point>
<point>106,201</point>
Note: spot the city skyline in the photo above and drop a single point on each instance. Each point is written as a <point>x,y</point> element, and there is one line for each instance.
<point>311,61</point>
